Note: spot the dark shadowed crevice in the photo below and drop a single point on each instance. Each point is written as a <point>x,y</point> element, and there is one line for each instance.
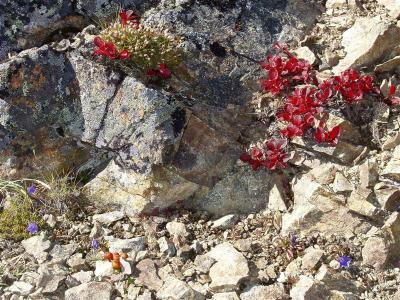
<point>217,49</point>
<point>178,121</point>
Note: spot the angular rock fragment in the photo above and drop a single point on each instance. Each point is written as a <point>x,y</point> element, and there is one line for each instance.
<point>89,291</point>
<point>367,41</point>
<point>229,270</point>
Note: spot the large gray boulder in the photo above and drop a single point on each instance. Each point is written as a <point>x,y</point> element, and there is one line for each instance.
<point>224,39</point>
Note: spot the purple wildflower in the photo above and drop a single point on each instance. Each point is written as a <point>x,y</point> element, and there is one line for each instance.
<point>32,228</point>
<point>95,244</point>
<point>293,240</point>
<point>31,189</point>
<point>344,261</point>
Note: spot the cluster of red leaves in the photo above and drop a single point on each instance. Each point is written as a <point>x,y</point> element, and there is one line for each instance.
<point>109,50</point>
<point>115,259</point>
<point>353,86</point>
<point>304,106</point>
<point>272,155</point>
<point>161,72</point>
<point>285,70</point>
<point>391,99</point>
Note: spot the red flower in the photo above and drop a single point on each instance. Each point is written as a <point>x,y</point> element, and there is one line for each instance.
<point>108,49</point>
<point>128,17</point>
<point>164,72</point>
<point>330,137</point>
<point>124,54</point>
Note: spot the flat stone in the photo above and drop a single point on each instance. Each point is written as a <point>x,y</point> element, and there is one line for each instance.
<point>177,229</point>
<point>368,173</point>
<point>388,198</point>
<point>343,151</point>
<point>335,4</point>
<point>146,273</point>
<point>174,289</point>
<point>139,193</point>
<point>126,266</point>
<point>250,193</point>
<point>60,253</point>
<point>37,246</point>
<point>381,249</point>
<point>276,197</point>
<point>312,258</point>
<point>392,169</point>
<point>334,280</point>
<point>21,288</point>
<point>51,277</point>
<point>166,246</point>
<point>358,202</point>
<point>341,183</point>
<point>392,6</point>
<point>103,268</point>
<point>229,270</point>
<point>340,295</point>
<point>83,276</point>
<point>308,288</point>
<point>90,291</point>
<point>225,222</point>
<point>147,295</point>
<point>133,292</point>
<point>126,245</point>
<point>306,54</point>
<point>203,263</point>
<point>274,291</point>
<point>388,66</point>
<point>77,262</point>
<point>225,296</point>
<point>367,41</point>
<point>109,217</point>
<point>319,210</point>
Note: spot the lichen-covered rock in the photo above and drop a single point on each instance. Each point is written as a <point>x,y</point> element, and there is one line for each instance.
<point>205,154</point>
<point>39,109</point>
<point>223,39</point>
<point>27,24</point>
<point>138,193</point>
<point>241,191</point>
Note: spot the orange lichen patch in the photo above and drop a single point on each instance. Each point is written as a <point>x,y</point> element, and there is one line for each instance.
<point>17,79</point>
<point>41,153</point>
<point>22,101</point>
<point>37,79</point>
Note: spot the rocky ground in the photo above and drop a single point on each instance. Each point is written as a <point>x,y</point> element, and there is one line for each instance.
<point>160,161</point>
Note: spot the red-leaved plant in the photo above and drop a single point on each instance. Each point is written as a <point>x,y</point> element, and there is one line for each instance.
<point>128,20</point>
<point>304,106</point>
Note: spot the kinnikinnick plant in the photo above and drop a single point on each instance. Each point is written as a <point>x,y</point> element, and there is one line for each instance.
<point>304,103</point>
<point>126,39</point>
